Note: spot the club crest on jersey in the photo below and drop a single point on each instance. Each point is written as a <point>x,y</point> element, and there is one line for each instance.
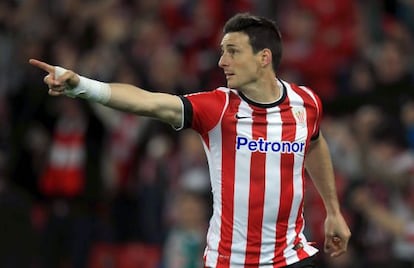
<point>299,114</point>
<point>263,146</point>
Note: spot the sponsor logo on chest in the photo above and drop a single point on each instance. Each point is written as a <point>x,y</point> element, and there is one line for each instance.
<point>264,146</point>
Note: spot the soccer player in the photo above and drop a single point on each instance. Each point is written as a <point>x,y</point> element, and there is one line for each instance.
<point>260,134</point>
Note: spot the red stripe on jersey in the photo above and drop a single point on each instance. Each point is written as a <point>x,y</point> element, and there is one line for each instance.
<point>311,114</point>
<point>256,192</point>
<point>286,175</point>
<point>227,183</point>
<point>206,140</point>
<point>299,225</point>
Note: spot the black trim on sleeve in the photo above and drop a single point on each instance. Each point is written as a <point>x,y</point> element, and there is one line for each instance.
<point>315,137</point>
<point>187,113</point>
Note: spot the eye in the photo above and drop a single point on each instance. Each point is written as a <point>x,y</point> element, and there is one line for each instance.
<point>232,51</point>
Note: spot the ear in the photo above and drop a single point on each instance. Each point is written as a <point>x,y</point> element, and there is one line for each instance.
<point>266,57</point>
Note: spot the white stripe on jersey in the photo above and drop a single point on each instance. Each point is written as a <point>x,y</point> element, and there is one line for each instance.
<point>241,188</point>
<point>214,159</point>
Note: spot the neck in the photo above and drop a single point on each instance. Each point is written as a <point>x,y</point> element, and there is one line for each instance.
<point>264,90</point>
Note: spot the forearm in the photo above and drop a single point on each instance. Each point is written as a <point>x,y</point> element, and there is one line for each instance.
<point>129,98</point>
<point>319,166</point>
<point>162,106</point>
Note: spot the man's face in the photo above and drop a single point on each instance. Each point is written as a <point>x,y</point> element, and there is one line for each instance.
<point>240,65</point>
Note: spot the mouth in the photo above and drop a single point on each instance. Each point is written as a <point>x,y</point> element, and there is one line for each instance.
<point>228,75</point>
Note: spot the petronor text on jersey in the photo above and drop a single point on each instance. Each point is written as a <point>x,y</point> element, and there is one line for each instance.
<point>264,146</point>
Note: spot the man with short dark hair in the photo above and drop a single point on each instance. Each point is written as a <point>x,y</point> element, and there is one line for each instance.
<point>260,133</point>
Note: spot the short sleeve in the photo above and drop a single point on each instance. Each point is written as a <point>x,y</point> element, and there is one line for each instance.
<point>314,108</point>
<point>319,115</point>
<point>203,111</point>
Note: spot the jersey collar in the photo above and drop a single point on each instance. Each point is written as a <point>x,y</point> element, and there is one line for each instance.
<point>267,105</point>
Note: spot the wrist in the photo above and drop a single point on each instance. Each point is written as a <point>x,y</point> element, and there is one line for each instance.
<point>92,90</point>
<point>332,210</point>
<point>88,89</point>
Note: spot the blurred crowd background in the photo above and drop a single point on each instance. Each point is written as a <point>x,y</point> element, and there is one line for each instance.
<point>86,186</point>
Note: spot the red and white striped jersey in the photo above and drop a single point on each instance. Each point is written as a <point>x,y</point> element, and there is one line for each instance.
<point>256,156</point>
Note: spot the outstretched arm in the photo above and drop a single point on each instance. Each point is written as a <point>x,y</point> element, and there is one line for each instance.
<point>124,97</point>
<point>319,166</point>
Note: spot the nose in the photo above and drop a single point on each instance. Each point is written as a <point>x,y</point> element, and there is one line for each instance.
<point>222,61</point>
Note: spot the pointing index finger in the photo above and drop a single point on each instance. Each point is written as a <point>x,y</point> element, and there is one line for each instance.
<point>42,65</point>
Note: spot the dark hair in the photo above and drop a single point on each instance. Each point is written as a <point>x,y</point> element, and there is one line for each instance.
<point>262,32</point>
